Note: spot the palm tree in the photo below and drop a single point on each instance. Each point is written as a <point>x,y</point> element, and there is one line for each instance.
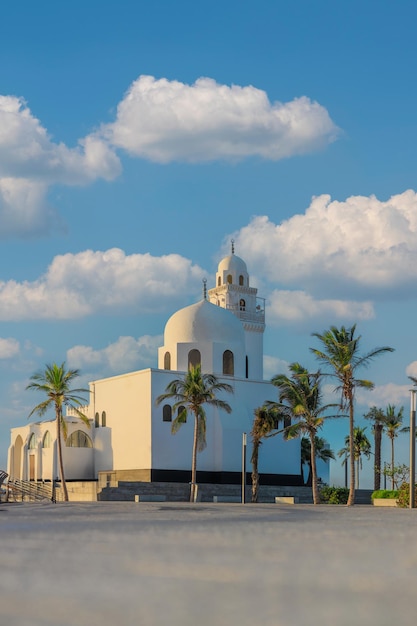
<point>299,398</point>
<point>377,416</point>
<point>191,392</point>
<point>340,353</point>
<point>393,426</point>
<point>361,447</point>
<point>54,382</point>
<point>323,453</point>
<point>266,420</point>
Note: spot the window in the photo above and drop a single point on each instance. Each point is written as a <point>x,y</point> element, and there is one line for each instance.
<point>228,363</point>
<point>242,304</point>
<point>166,413</point>
<point>241,280</point>
<point>32,442</point>
<point>79,439</point>
<point>104,418</point>
<point>247,367</point>
<point>229,279</point>
<point>167,361</point>
<point>219,281</point>
<point>96,420</point>
<point>287,422</point>
<point>46,441</point>
<point>194,358</point>
<point>180,410</point>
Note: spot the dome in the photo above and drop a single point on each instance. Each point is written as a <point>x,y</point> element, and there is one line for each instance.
<point>232,263</point>
<point>203,322</point>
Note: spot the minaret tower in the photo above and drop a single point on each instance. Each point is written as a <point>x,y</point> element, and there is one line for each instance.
<point>232,292</point>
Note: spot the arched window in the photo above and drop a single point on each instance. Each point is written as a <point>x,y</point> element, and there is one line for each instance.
<point>32,442</point>
<point>194,358</point>
<point>241,280</point>
<point>180,410</point>
<point>46,441</point>
<point>229,279</point>
<point>247,367</point>
<point>96,420</point>
<point>104,418</point>
<point>219,281</point>
<point>228,363</point>
<point>167,413</point>
<point>287,422</point>
<point>242,304</point>
<point>79,439</point>
<point>167,361</point>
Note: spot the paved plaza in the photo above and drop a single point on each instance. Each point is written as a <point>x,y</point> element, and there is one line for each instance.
<point>169,564</point>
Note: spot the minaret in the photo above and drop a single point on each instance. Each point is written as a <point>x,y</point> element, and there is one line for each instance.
<point>232,292</point>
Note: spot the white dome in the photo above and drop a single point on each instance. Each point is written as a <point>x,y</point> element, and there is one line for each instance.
<point>203,322</point>
<point>232,263</point>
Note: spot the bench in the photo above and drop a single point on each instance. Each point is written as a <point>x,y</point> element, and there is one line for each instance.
<point>150,498</point>
<point>286,500</point>
<point>227,498</point>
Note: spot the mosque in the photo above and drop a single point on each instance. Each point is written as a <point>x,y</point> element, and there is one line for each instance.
<point>130,435</point>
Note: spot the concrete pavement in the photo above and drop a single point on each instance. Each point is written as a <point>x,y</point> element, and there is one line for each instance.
<point>158,564</point>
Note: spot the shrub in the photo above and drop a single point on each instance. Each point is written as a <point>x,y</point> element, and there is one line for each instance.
<point>386,494</point>
<point>404,495</point>
<point>334,495</point>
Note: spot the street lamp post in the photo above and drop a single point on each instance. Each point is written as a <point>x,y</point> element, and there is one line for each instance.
<point>243,468</point>
<point>412,446</point>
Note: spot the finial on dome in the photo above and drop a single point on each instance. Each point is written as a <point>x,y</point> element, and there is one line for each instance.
<point>233,246</point>
<point>205,288</point>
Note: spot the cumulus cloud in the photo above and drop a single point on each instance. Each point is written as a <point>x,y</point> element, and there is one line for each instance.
<point>165,121</point>
<point>274,366</point>
<point>126,354</point>
<point>9,348</point>
<point>382,395</point>
<point>77,285</point>
<point>298,306</point>
<point>359,246</point>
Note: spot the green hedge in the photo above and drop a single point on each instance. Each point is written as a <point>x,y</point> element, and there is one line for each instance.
<point>334,495</point>
<point>386,494</point>
<point>404,495</point>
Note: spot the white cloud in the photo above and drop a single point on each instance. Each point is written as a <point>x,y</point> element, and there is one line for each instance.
<point>76,285</point>
<point>298,306</point>
<point>30,162</point>
<point>274,366</point>
<point>126,354</point>
<point>362,245</point>
<point>9,348</point>
<point>382,395</point>
<point>165,121</point>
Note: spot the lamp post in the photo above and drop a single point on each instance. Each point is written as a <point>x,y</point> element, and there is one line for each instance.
<point>412,446</point>
<point>243,468</point>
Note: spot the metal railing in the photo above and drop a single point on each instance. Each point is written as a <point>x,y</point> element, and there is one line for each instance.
<point>30,491</point>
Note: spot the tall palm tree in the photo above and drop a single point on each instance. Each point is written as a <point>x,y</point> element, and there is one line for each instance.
<point>265,422</point>
<point>340,353</point>
<point>191,392</point>
<point>361,447</point>
<point>55,382</point>
<point>393,426</point>
<point>299,398</point>
<point>323,453</point>
<point>377,417</point>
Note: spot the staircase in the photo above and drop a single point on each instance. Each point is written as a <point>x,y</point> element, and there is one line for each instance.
<point>30,491</point>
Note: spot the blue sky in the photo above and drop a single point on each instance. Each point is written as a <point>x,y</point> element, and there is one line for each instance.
<point>138,138</point>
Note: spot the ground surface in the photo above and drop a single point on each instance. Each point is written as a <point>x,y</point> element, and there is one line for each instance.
<point>157,564</point>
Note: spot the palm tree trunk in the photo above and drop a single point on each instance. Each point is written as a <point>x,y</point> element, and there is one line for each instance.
<point>392,464</point>
<point>351,498</point>
<point>58,414</point>
<point>316,495</point>
<point>255,473</point>
<point>194,461</point>
<point>357,472</point>
<point>377,467</point>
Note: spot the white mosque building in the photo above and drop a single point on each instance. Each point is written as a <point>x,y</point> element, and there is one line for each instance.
<point>130,435</point>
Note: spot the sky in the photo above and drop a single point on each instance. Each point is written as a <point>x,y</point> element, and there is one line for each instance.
<point>138,138</point>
